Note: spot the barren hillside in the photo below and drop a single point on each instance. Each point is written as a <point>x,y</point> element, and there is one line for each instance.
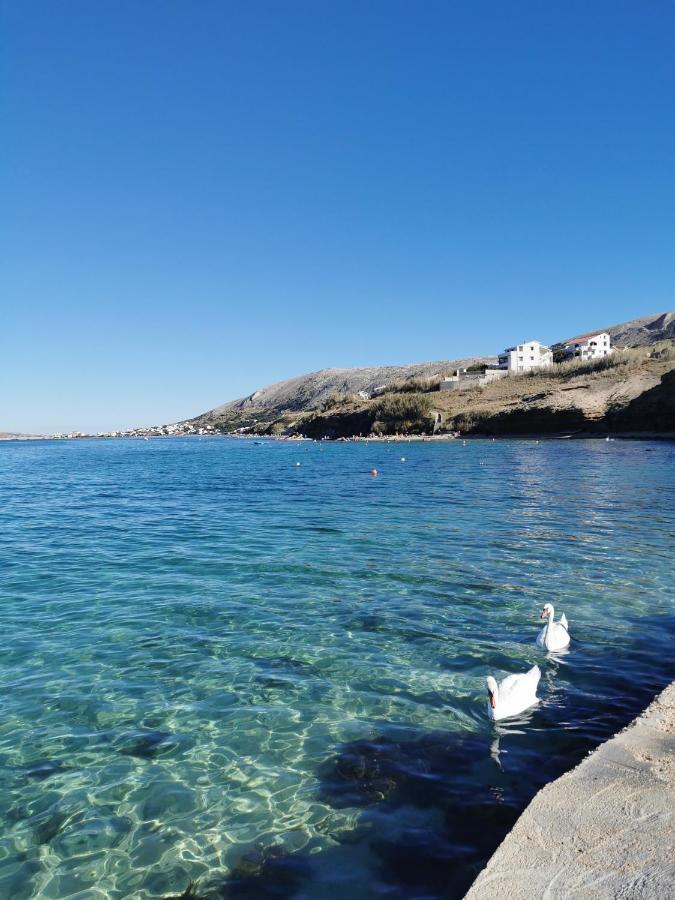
<point>635,392</point>
<point>306,392</point>
<point>348,401</point>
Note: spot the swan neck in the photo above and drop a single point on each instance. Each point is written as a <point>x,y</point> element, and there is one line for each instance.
<point>495,695</point>
<point>549,626</point>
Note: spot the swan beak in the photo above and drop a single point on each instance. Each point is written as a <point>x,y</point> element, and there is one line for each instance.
<point>542,615</point>
<point>492,700</point>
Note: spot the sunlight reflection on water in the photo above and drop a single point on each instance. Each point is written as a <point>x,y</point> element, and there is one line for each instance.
<point>269,680</point>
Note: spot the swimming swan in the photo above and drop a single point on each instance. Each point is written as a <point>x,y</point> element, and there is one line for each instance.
<point>515,694</point>
<point>555,635</point>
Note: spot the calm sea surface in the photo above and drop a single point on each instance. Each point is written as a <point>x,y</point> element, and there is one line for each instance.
<point>222,667</point>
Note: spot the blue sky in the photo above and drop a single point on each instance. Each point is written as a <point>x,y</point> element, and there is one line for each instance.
<point>202,198</point>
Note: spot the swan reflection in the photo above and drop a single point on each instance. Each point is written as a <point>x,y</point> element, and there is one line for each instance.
<point>515,725</point>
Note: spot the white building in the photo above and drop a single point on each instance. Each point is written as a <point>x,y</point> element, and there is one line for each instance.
<point>526,356</point>
<point>589,346</point>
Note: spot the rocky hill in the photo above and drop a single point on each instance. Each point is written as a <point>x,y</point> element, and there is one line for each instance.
<point>307,392</point>
<point>337,402</point>
<point>640,332</point>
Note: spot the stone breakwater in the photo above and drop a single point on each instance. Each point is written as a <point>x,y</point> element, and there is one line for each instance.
<point>604,830</point>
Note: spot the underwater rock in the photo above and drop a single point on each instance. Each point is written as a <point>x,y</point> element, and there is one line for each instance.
<point>262,873</point>
<point>46,830</point>
<point>421,772</point>
<point>190,893</point>
<point>368,622</point>
<point>146,744</point>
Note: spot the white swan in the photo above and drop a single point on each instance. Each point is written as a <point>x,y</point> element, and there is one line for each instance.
<point>555,635</point>
<point>515,694</point>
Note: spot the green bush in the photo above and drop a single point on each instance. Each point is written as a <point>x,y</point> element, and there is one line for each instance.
<point>464,422</point>
<point>336,401</point>
<point>401,412</point>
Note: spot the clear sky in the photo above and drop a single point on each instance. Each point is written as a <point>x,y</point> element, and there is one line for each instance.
<point>201,197</point>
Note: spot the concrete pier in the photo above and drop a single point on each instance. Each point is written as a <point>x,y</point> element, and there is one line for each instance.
<point>604,830</point>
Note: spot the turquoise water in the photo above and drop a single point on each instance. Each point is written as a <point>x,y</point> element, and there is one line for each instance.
<point>267,679</point>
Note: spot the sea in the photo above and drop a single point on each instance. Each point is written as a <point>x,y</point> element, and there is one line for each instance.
<point>253,669</point>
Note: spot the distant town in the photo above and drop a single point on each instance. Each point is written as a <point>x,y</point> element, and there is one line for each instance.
<point>180,428</point>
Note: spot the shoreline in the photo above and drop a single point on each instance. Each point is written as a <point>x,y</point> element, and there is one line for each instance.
<point>602,829</point>
<point>538,436</point>
<point>380,439</point>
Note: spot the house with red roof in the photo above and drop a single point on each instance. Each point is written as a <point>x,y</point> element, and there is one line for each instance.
<point>589,346</point>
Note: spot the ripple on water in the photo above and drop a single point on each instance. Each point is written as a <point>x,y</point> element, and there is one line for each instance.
<point>224,671</point>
